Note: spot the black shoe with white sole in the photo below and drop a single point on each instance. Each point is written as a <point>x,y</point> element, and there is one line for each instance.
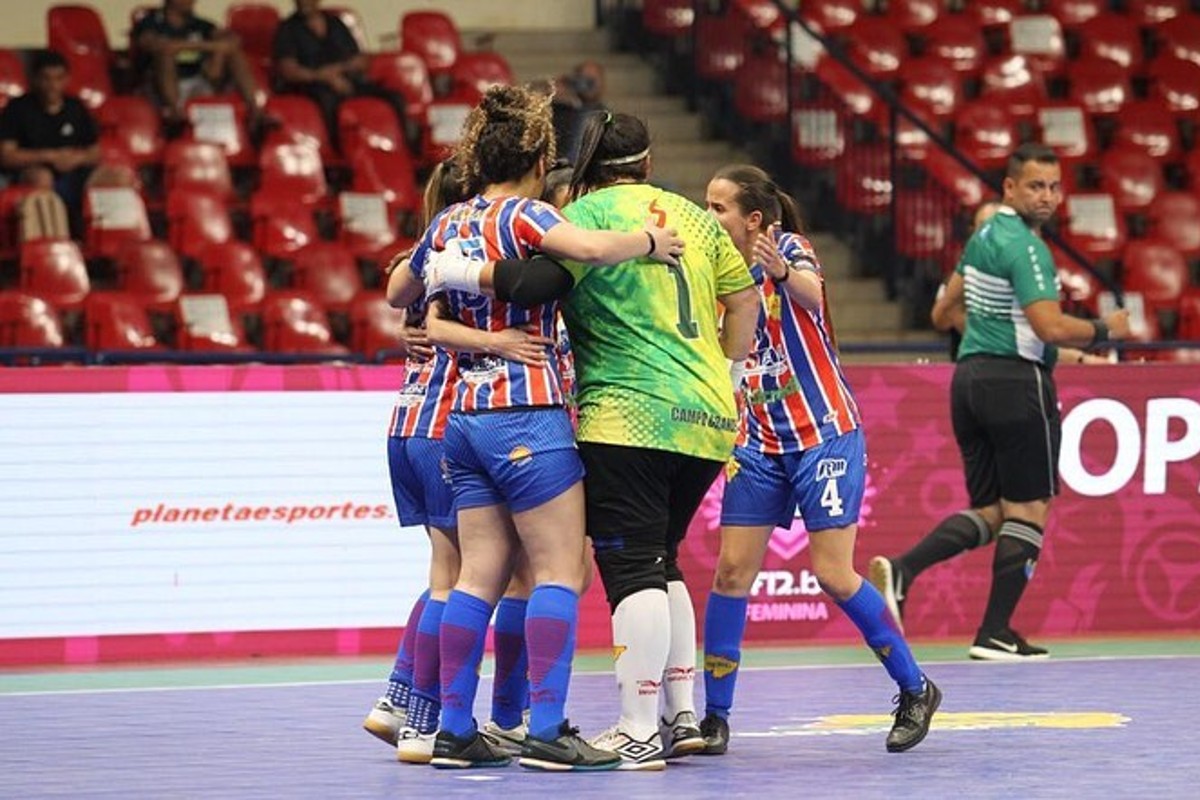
<point>1005,645</point>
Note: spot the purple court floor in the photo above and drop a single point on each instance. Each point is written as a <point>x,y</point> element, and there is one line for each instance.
<point>1070,728</point>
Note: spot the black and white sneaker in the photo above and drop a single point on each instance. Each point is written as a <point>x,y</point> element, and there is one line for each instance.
<point>451,752</point>
<point>715,731</point>
<point>885,577</point>
<point>681,736</point>
<point>1005,645</point>
<point>566,753</point>
<point>914,712</point>
<point>636,754</point>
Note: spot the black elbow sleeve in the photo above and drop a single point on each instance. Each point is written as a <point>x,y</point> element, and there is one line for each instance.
<point>531,281</point>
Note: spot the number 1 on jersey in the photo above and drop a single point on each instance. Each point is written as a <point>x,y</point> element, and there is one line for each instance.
<point>686,324</point>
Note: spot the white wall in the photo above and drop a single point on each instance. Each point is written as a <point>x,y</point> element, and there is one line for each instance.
<point>25,20</point>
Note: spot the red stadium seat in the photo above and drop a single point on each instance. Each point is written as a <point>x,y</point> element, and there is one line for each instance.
<point>1156,270</point>
<point>294,170</point>
<point>1148,126</point>
<point>1177,83</point>
<point>931,84</point>
<point>282,227</point>
<point>1067,128</point>
<point>391,174</point>
<point>368,122</point>
<point>863,182</point>
<point>204,324</point>
<point>254,24</point>
<point>1099,85</point>
<point>12,76</point>
<point>720,47</point>
<point>761,15</point>
<point>293,322</point>
<point>668,17</point>
<point>29,321</point>
<point>958,41</point>
<point>117,321</point>
<point>1073,13</point>
<point>55,271</point>
<point>877,47</point>
<point>328,271</point>
<point>234,270</point>
<point>192,165</point>
<point>365,225</point>
<point>760,89</point>
<point>299,120</point>
<point>196,220</point>
<point>1189,315</point>
<point>1154,12</point>
<point>374,324</point>
<point>832,16</point>
<point>923,226</point>
<point>446,118</point>
<point>857,97</point>
<point>114,217</point>
<point>1131,177</point>
<point>963,184</point>
<point>134,127</point>
<point>222,121</point>
<point>477,72</point>
<point>994,13</point>
<point>89,79</point>
<point>912,15</point>
<point>354,24</point>
<point>1110,36</point>
<point>985,133</point>
<point>1093,226</point>
<point>75,29</point>
<point>406,73</point>
<point>1173,219</point>
<point>818,137</point>
<point>1081,289</point>
<point>150,272</point>
<point>1039,38</point>
<point>1014,83</point>
<point>1179,37</point>
<point>433,36</point>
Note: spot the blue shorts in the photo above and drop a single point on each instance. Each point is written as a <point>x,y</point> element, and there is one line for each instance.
<point>519,458</point>
<point>826,483</point>
<point>421,482</point>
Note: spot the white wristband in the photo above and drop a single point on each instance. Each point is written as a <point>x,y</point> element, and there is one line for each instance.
<point>737,371</point>
<point>451,269</point>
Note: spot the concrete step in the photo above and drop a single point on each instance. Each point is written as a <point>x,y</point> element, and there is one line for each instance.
<point>855,316</point>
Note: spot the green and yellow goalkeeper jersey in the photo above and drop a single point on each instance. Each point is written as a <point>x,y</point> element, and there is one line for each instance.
<point>648,361</point>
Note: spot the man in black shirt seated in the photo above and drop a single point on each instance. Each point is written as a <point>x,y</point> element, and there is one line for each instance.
<point>48,140</point>
<point>186,56</point>
<point>316,55</point>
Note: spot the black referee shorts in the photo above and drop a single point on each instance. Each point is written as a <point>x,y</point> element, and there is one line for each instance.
<point>1006,421</point>
<point>639,492</point>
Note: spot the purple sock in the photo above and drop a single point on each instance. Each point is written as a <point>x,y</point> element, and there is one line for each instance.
<point>400,682</point>
<point>550,639</point>
<point>464,628</point>
<point>424,706</point>
<point>510,690</point>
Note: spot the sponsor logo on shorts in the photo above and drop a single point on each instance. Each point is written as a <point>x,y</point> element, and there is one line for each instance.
<point>520,455</point>
<point>830,468</point>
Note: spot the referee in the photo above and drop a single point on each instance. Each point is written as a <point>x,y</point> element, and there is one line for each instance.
<point>1003,402</point>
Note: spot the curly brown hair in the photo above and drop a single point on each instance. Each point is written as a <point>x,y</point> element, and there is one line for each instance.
<point>505,136</point>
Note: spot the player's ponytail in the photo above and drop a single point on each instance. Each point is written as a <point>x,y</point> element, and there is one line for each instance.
<point>613,147</point>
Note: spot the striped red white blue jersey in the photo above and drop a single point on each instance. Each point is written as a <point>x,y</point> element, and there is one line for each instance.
<point>796,394</point>
<point>427,394</point>
<point>507,227</point>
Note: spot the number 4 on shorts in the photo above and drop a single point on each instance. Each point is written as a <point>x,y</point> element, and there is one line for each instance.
<point>831,501</point>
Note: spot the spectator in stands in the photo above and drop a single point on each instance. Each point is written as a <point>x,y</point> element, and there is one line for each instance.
<point>185,56</point>
<point>48,139</point>
<point>576,95</point>
<point>316,54</point>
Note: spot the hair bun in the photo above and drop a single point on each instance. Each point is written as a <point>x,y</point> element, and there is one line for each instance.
<point>501,103</point>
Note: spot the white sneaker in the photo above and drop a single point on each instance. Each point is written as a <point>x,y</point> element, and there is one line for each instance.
<point>636,754</point>
<point>385,720</point>
<point>681,736</point>
<point>413,747</point>
<point>509,740</point>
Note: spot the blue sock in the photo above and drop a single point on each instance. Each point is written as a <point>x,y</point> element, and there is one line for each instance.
<point>424,704</point>
<point>724,626</point>
<point>867,611</point>
<point>550,639</point>
<point>510,690</point>
<point>400,682</point>
<point>464,628</point>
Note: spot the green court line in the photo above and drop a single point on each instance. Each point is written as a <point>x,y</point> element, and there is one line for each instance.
<point>260,672</point>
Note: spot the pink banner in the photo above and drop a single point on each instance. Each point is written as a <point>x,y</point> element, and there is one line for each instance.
<point>1122,548</point>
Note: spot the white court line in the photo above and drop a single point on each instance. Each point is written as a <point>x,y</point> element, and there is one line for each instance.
<point>772,668</point>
